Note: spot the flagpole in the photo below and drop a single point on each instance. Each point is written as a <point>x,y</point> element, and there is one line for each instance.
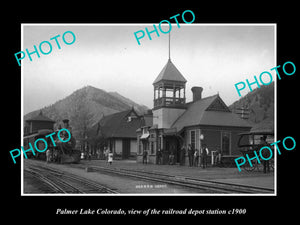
<point>169,46</point>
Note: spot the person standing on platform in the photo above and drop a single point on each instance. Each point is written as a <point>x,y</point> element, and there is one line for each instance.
<point>48,155</point>
<point>159,157</point>
<point>106,151</point>
<point>196,158</point>
<point>204,156</point>
<point>145,154</point>
<point>110,157</point>
<point>182,155</point>
<point>265,154</point>
<point>218,157</point>
<point>89,156</point>
<point>190,154</point>
<point>171,156</point>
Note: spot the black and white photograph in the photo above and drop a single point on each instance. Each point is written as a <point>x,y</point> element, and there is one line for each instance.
<point>107,113</point>
<point>149,112</point>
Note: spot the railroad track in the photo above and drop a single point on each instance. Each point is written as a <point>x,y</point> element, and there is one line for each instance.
<point>67,183</point>
<point>55,185</point>
<point>187,182</point>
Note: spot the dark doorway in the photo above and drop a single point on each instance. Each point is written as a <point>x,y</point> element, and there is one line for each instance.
<point>172,142</point>
<point>125,148</point>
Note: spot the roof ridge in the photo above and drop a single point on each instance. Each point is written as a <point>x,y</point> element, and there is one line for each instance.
<point>116,113</point>
<point>116,118</point>
<point>40,117</point>
<point>212,96</point>
<point>190,104</point>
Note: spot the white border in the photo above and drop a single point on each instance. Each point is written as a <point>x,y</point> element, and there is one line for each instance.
<point>146,24</point>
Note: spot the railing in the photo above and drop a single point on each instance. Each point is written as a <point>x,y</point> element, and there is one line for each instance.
<point>166,101</point>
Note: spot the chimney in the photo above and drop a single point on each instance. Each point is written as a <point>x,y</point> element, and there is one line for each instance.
<point>197,93</point>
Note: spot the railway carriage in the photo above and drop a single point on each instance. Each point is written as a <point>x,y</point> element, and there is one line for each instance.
<point>250,142</point>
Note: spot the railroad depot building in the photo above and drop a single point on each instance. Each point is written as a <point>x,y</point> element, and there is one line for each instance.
<point>118,131</point>
<point>177,122</point>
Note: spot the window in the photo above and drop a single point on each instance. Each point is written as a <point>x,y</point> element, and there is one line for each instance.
<point>140,145</point>
<point>152,147</point>
<point>225,145</point>
<point>193,139</point>
<point>160,142</point>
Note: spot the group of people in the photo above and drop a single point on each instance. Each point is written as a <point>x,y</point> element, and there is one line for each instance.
<point>197,157</point>
<point>170,156</point>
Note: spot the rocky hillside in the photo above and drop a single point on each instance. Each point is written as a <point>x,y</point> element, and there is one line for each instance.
<point>260,105</point>
<point>86,106</point>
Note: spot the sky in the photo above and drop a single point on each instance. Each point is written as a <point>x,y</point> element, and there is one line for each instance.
<point>107,56</point>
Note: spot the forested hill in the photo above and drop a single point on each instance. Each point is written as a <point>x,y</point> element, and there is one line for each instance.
<point>86,106</point>
<point>260,103</point>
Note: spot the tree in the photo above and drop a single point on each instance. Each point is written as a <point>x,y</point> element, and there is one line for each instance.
<point>80,119</point>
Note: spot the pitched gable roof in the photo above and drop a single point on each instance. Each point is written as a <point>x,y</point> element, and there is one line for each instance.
<point>170,73</point>
<point>193,113</point>
<point>40,117</point>
<point>208,111</point>
<point>218,105</point>
<point>117,125</point>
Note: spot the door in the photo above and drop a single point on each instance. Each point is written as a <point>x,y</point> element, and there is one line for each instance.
<point>225,148</point>
<point>125,148</point>
<point>173,145</point>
